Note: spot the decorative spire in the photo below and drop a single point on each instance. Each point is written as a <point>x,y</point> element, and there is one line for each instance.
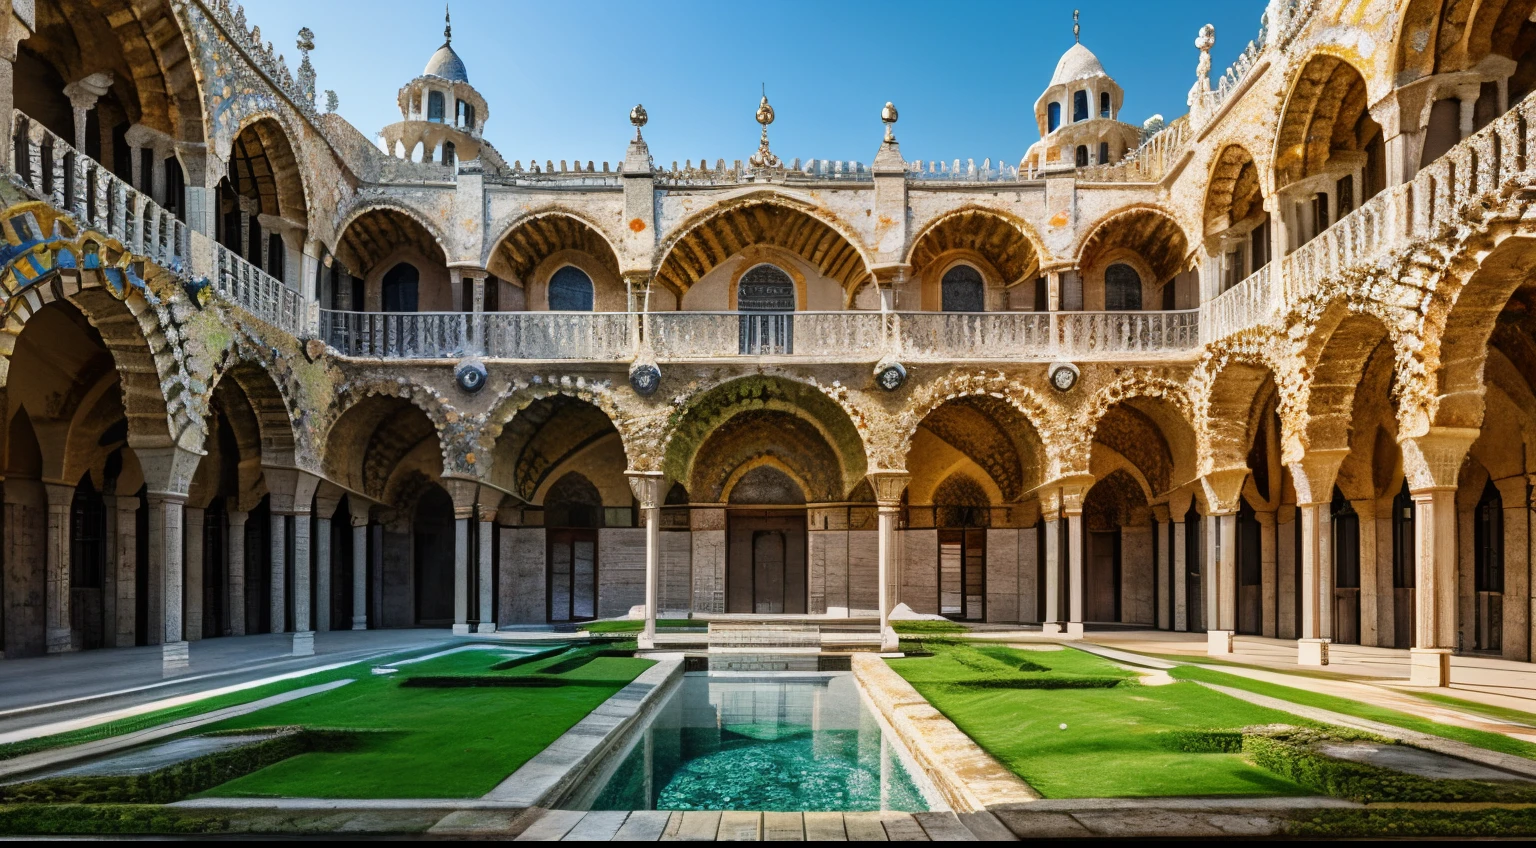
<point>1077,30</point>
<point>306,43</point>
<point>447,26</point>
<point>638,117</point>
<point>888,115</point>
<point>764,158</point>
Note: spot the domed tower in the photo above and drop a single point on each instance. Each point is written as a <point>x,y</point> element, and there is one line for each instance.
<point>1078,114</point>
<point>442,114</point>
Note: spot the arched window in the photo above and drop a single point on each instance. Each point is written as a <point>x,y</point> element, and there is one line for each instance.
<point>466,115</point>
<point>1052,117</point>
<point>570,290</point>
<point>399,287</point>
<point>1103,152</point>
<point>1103,104</point>
<point>435,106</point>
<point>1082,156</point>
<point>963,290</point>
<point>1079,106</point>
<point>766,289</point>
<point>1122,288</point>
<point>448,154</point>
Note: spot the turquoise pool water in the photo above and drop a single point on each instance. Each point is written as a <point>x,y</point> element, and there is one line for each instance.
<point>773,742</point>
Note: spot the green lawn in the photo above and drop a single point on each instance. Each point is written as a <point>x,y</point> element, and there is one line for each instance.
<point>1486,710</point>
<point>206,705</point>
<point>1305,697</point>
<point>928,627</point>
<point>1116,743</point>
<point>430,742</point>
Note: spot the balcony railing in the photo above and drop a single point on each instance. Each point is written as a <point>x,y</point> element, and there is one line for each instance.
<point>497,335</point>
<point>1045,335</point>
<point>687,335</point>
<point>260,293</point>
<point>71,181</point>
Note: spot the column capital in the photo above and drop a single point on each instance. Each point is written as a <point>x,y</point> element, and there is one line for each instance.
<point>1315,473</point>
<point>647,487</point>
<point>236,517</point>
<point>84,92</point>
<point>1064,495</point>
<point>1161,513</point>
<point>290,490</point>
<point>463,491</point>
<point>1224,489</point>
<point>888,484</point>
<point>1433,460</point>
<point>168,470</point>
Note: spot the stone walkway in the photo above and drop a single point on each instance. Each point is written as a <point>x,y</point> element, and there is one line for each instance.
<point>738,826</point>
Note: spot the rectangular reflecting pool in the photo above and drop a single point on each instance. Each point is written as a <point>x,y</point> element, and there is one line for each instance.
<point>775,742</point>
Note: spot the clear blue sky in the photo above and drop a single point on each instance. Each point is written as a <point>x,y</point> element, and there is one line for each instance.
<point>560,77</point>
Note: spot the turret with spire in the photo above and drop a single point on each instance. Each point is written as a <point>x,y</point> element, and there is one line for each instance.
<point>1078,113</point>
<point>442,115</point>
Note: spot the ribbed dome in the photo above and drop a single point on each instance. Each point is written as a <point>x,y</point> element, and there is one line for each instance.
<point>1077,63</point>
<point>446,64</point>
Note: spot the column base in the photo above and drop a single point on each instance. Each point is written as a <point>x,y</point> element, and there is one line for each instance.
<point>60,641</point>
<point>1074,630</point>
<point>889,640</point>
<point>486,627</point>
<point>174,657</point>
<point>304,643</point>
<point>461,630</point>
<point>646,641</point>
<point>359,622</point>
<point>1312,651</point>
<point>1218,642</point>
<point>1429,666</point>
<point>1053,627</point>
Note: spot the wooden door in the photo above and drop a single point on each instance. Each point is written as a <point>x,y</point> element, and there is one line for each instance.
<point>765,562</point>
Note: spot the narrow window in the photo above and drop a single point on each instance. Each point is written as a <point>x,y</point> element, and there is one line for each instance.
<point>1488,569</point>
<point>435,106</point>
<point>963,290</point>
<point>1103,152</point>
<point>1052,117</point>
<point>1082,156</point>
<point>449,157</point>
<point>1122,288</point>
<point>399,287</point>
<point>1103,104</point>
<point>1079,106</point>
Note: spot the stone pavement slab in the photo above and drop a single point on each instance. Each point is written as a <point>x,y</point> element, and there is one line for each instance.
<point>698,826</point>
<point>597,826</point>
<point>643,826</point>
<point>740,826</point>
<point>901,827</point>
<point>944,827</point>
<point>479,823</point>
<point>826,827</point>
<point>864,827</point>
<point>986,827</point>
<point>551,826</point>
<point>783,827</point>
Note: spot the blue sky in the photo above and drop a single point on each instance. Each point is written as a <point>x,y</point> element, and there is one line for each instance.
<point>560,78</point>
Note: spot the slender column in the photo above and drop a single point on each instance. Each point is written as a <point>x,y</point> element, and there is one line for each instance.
<point>647,488</point>
<point>888,485</point>
<point>303,626</point>
<point>1053,612</point>
<point>1268,585</point>
<point>234,577</point>
<point>193,618</point>
<point>136,166</point>
<point>1180,575</point>
<point>1072,516</point>
<point>166,520</point>
<point>1313,476</point>
<point>157,172</point>
<point>1162,567</point>
<point>127,541</point>
<point>359,569</point>
<point>1516,496</point>
<point>460,574</point>
<point>1062,506</point>
<point>277,579</point>
<point>1431,463</point>
<point>322,543</point>
<point>109,571</point>
<point>487,545</point>
<point>60,636</point>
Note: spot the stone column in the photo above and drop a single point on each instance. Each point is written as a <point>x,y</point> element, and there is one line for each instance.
<point>60,636</point>
<point>303,625</point>
<point>193,619</point>
<point>1050,515</point>
<point>166,520</point>
<point>1516,630</point>
<point>109,570</point>
<point>888,486</point>
<point>359,519</point>
<point>1431,463</point>
<point>1314,476</point>
<point>127,541</point>
<point>201,209</point>
<point>647,488</point>
<point>1370,587</point>
<point>1180,573</point>
<point>486,539</point>
<point>1072,518</point>
<point>1162,567</point>
<point>322,543</point>
<point>83,94</point>
<point>277,574</point>
<point>234,578</point>
<point>1061,504</point>
<point>1223,493</point>
<point>1268,580</point>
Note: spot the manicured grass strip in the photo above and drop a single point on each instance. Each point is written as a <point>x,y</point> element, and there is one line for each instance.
<point>636,625</point>
<point>448,743</point>
<point>1119,742</point>
<point>1378,821</point>
<point>136,723</point>
<point>1358,709</point>
<point>922,627</point>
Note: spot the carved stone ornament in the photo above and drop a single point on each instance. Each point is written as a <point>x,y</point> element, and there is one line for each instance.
<point>470,375</point>
<point>892,376</point>
<point>1063,376</point>
<point>645,379</point>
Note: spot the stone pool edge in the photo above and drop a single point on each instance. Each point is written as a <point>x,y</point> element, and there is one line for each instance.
<point>557,770</point>
<point>969,779</point>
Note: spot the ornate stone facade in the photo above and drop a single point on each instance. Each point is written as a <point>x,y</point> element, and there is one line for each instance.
<point>1296,317</point>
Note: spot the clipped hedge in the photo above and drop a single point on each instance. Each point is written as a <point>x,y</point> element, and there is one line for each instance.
<point>178,781</point>
<point>1205,741</point>
<point>528,658</point>
<point>480,681</point>
<point>1378,822</point>
<point>86,820</point>
<point>1292,755</point>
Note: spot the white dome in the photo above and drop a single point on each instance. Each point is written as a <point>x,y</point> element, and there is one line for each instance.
<point>446,64</point>
<point>1076,64</point>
